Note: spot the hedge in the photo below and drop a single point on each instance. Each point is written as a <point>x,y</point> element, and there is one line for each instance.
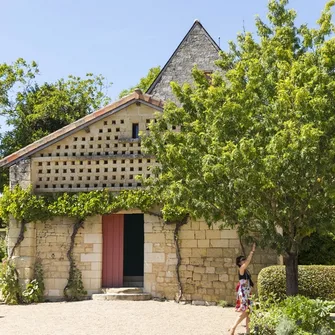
<point>315,281</point>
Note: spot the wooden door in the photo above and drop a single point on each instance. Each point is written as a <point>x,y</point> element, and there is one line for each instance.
<point>112,256</point>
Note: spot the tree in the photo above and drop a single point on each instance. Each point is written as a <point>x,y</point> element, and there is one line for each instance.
<point>323,247</point>
<point>34,111</point>
<point>144,82</point>
<point>255,148</point>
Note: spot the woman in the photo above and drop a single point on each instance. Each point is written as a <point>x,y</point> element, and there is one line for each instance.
<point>244,290</point>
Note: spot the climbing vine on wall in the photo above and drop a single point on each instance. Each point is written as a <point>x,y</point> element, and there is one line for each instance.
<point>177,245</point>
<point>24,207</point>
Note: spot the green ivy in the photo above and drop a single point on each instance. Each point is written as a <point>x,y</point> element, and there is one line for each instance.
<point>23,205</point>
<point>3,248</point>
<point>9,283</point>
<point>11,290</point>
<point>74,290</point>
<point>81,205</point>
<point>34,291</point>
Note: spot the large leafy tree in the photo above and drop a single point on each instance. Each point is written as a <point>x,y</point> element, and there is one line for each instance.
<point>255,147</point>
<point>34,110</point>
<point>144,82</point>
<point>323,246</point>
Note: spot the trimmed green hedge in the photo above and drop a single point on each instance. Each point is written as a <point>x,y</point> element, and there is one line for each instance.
<point>315,281</point>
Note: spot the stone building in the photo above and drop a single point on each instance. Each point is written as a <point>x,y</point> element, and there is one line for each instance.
<point>103,150</point>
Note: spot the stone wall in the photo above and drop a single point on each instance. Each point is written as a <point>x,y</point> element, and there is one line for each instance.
<point>20,174</point>
<point>208,271</point>
<point>159,258</point>
<point>25,254</point>
<point>53,241</point>
<point>49,242</point>
<point>197,48</point>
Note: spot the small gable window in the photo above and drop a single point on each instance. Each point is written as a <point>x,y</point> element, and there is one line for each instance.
<point>135,130</point>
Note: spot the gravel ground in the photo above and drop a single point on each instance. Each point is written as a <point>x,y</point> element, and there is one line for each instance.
<point>115,317</point>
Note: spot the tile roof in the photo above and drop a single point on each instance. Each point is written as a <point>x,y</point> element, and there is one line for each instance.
<point>136,96</point>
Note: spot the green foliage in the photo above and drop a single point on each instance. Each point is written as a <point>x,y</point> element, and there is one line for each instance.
<point>314,281</point>
<point>286,326</point>
<point>318,249</point>
<point>11,290</point>
<point>22,205</point>
<point>34,291</point>
<point>223,303</point>
<point>271,282</point>
<point>3,248</point>
<point>139,199</point>
<point>18,73</point>
<point>256,148</point>
<point>9,284</point>
<point>294,315</point>
<point>144,82</point>
<point>81,205</point>
<point>310,315</point>
<point>74,289</point>
<point>39,276</point>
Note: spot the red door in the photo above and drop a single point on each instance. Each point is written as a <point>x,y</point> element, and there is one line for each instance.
<point>112,256</point>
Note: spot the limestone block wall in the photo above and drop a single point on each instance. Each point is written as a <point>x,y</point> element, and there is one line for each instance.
<point>49,242</point>
<point>53,241</point>
<point>89,252</point>
<point>24,256</point>
<point>208,271</point>
<point>159,258</point>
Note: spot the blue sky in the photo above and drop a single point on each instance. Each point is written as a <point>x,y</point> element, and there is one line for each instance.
<point>120,39</point>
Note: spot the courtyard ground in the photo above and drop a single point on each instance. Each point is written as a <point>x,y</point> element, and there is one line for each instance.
<point>116,317</point>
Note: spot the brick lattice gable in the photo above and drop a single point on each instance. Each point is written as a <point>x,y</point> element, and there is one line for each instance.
<point>103,155</point>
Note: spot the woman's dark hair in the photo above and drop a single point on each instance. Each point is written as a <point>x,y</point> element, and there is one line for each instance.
<point>239,259</point>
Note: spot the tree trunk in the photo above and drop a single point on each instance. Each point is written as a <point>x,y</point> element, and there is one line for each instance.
<point>291,267</point>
